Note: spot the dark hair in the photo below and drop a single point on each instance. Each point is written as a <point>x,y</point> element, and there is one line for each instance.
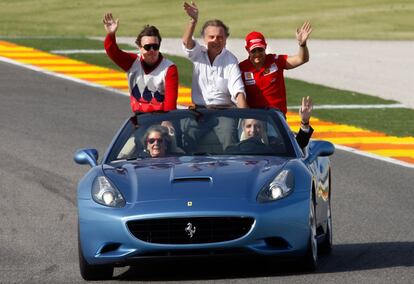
<point>148,31</point>
<point>215,23</point>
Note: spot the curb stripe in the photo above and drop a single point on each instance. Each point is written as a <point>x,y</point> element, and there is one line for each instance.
<point>397,150</point>
<point>379,146</point>
<point>362,140</point>
<point>346,134</point>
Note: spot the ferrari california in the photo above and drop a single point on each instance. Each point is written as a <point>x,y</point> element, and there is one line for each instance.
<point>203,182</point>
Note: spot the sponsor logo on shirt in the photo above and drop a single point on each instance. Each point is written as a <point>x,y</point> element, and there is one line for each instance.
<point>270,70</point>
<point>248,76</point>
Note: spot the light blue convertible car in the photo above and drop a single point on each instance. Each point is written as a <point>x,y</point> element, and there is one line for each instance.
<point>203,182</point>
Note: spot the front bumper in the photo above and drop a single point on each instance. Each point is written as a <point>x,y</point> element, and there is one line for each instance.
<point>279,228</point>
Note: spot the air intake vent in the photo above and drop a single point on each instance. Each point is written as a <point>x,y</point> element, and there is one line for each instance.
<point>198,230</point>
<point>109,248</point>
<point>192,179</point>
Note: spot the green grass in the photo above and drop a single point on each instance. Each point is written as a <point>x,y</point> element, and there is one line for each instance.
<point>327,96</point>
<point>185,69</point>
<point>350,19</point>
<point>399,122</point>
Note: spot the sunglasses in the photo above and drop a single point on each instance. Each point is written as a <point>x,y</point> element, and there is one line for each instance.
<point>154,46</point>
<point>152,140</point>
<point>257,49</point>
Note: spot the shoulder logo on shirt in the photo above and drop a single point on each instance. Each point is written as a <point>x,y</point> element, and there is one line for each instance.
<point>248,76</point>
<point>271,69</point>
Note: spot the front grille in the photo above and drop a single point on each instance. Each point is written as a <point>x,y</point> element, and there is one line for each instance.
<point>198,230</point>
<point>194,253</point>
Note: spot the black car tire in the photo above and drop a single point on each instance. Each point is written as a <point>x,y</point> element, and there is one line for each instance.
<point>93,272</point>
<point>326,246</point>
<point>310,260</point>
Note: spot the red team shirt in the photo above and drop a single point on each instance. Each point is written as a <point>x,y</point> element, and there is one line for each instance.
<point>151,88</point>
<point>265,87</point>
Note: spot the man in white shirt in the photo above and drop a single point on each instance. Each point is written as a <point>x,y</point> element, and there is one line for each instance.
<point>216,78</point>
<point>216,74</point>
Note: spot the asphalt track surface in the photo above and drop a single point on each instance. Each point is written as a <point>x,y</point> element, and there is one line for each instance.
<point>44,120</point>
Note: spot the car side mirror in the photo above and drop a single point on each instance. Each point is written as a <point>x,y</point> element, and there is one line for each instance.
<point>86,157</point>
<point>319,148</point>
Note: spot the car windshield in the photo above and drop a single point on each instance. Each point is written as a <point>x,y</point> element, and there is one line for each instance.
<point>202,132</point>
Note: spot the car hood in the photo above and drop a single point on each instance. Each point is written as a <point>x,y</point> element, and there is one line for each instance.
<point>193,177</point>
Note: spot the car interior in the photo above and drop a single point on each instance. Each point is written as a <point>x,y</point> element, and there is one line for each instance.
<point>268,141</point>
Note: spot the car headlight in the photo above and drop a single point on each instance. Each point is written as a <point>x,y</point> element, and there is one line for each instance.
<point>103,192</point>
<point>281,186</point>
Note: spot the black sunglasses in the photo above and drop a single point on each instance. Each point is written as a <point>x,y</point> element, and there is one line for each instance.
<point>154,46</point>
<point>152,140</point>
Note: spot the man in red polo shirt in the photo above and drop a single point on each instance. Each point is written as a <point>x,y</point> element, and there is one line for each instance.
<point>264,82</point>
<point>263,73</point>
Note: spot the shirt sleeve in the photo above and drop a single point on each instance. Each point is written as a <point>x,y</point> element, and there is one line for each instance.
<point>121,58</point>
<point>171,88</point>
<point>281,60</point>
<point>303,137</point>
<point>193,53</point>
<point>235,82</point>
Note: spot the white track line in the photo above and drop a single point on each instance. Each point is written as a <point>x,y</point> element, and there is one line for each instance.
<point>370,155</point>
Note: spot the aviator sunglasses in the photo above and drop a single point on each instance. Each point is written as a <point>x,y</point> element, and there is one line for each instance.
<point>154,46</point>
<point>152,140</point>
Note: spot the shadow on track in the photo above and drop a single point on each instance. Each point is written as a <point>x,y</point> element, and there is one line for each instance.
<point>346,257</point>
<point>355,257</point>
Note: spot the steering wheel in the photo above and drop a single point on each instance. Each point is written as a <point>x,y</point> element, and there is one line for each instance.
<point>253,145</point>
<point>250,145</point>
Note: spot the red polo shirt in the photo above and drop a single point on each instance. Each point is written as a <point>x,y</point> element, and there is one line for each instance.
<point>265,87</point>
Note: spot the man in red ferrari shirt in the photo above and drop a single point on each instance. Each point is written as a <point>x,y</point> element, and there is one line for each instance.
<point>264,82</point>
<point>262,73</point>
<point>152,79</point>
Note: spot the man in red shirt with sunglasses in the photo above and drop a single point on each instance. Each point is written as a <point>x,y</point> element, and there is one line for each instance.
<point>152,79</point>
